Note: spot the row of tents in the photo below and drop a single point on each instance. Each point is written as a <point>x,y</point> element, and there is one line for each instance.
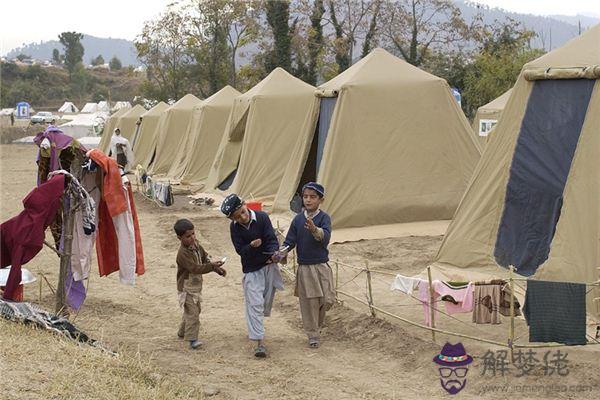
<point>390,144</point>
<point>90,108</point>
<point>350,133</point>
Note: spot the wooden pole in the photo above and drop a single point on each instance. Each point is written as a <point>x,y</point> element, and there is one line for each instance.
<point>65,257</point>
<point>369,286</point>
<point>431,299</point>
<point>40,288</point>
<point>337,275</point>
<point>511,328</point>
<point>69,207</point>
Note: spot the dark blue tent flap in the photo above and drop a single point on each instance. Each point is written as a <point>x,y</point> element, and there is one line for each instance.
<point>545,148</point>
<point>325,113</point>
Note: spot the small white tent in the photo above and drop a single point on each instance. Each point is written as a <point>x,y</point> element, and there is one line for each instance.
<point>90,108</point>
<point>104,106</point>
<point>120,105</point>
<point>84,125</point>
<point>68,108</point>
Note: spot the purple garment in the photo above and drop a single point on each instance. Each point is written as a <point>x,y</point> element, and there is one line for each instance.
<point>75,289</point>
<point>58,141</point>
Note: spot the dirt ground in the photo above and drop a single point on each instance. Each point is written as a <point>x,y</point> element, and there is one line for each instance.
<point>361,357</point>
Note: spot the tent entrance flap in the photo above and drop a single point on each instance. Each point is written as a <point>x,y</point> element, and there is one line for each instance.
<point>228,181</point>
<point>325,113</point>
<point>545,148</point>
<point>309,172</point>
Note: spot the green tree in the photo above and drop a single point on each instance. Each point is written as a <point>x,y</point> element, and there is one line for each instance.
<point>98,60</point>
<point>209,23</point>
<point>81,82</point>
<point>352,20</point>
<point>73,50</point>
<point>368,44</point>
<point>163,48</point>
<point>316,42</point>
<point>503,51</point>
<point>56,58</point>
<point>278,15</point>
<point>115,64</point>
<point>414,27</point>
<point>22,57</point>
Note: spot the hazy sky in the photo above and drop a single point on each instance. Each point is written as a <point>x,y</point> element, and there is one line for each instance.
<point>37,20</point>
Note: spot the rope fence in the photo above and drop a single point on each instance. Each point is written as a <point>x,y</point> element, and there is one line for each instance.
<point>367,290</point>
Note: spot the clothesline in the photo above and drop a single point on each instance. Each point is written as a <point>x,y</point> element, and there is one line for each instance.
<point>511,344</point>
<point>375,271</point>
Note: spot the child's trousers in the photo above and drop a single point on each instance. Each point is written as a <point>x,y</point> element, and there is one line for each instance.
<point>314,287</point>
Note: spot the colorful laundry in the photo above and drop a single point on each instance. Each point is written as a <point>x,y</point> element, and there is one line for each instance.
<point>118,243</point>
<point>462,298</point>
<point>486,303</point>
<point>22,237</point>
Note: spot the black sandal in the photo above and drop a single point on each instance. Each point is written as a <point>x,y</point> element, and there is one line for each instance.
<point>260,351</point>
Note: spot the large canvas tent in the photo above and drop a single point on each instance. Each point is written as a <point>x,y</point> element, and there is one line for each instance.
<point>109,127</point>
<point>203,137</point>
<point>388,141</point>
<point>127,123</point>
<point>533,201</point>
<point>171,132</point>
<point>488,116</point>
<point>145,140</point>
<point>263,126</point>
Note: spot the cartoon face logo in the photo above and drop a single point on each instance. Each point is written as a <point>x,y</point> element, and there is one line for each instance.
<point>453,361</point>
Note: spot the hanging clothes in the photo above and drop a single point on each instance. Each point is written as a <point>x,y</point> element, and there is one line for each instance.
<point>406,284</point>
<point>22,237</point>
<point>555,312</point>
<point>456,299</point>
<point>504,306</point>
<point>118,243</point>
<point>487,303</point>
<point>51,143</point>
<point>56,151</point>
<point>86,220</point>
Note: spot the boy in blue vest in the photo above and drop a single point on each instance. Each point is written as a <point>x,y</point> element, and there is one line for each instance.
<point>310,232</point>
<point>255,241</point>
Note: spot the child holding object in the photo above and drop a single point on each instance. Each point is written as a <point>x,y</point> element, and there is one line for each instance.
<point>310,232</point>
<point>192,262</point>
<point>254,240</point>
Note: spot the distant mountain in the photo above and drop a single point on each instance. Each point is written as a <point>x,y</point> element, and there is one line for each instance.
<point>93,46</point>
<point>552,31</point>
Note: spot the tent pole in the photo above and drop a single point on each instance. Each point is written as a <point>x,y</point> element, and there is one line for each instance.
<point>431,298</point>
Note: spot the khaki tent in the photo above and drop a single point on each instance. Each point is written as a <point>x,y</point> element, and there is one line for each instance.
<point>263,126</point>
<point>127,123</point>
<point>488,116</point>
<point>171,132</point>
<point>109,127</point>
<point>388,141</point>
<point>145,140</point>
<point>204,135</point>
<point>533,201</point>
